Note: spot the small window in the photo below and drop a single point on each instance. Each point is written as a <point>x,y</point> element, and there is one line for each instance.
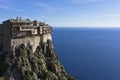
<point>13,42</point>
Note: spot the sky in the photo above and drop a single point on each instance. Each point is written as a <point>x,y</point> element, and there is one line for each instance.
<point>64,13</point>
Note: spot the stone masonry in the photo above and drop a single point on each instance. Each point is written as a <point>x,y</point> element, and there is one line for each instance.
<point>14,32</point>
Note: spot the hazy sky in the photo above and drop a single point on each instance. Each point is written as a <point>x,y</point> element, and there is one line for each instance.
<point>61,13</point>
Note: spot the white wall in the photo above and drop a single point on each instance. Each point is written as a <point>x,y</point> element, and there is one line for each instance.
<point>32,40</point>
<point>46,37</point>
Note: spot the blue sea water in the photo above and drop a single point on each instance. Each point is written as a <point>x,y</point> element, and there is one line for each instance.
<point>89,53</point>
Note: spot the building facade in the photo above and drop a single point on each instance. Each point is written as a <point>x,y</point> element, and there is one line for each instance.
<point>0,36</point>
<point>17,31</point>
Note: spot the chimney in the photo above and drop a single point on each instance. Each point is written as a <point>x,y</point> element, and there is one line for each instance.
<point>16,18</point>
<point>20,18</point>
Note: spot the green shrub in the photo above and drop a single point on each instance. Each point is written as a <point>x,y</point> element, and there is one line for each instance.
<point>27,76</point>
<point>3,63</point>
<point>2,78</point>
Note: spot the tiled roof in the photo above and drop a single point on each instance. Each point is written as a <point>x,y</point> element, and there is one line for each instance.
<point>21,21</point>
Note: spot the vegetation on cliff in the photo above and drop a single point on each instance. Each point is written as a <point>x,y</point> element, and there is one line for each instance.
<point>3,63</point>
<point>43,64</point>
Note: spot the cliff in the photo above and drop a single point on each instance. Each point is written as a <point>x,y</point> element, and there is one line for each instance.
<point>43,64</point>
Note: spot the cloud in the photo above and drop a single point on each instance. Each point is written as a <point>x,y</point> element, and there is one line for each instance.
<point>100,15</point>
<point>108,16</point>
<point>90,1</point>
<point>46,7</point>
<point>86,1</point>
<point>9,5</point>
<point>43,17</point>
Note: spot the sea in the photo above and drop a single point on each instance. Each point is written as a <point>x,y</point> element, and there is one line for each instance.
<point>89,53</point>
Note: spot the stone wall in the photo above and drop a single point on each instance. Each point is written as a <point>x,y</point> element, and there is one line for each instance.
<point>6,35</point>
<point>0,43</point>
<point>10,43</point>
<point>46,37</point>
<point>0,38</point>
<point>28,41</point>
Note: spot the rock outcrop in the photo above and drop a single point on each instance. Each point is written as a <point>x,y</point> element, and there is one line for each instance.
<point>43,64</point>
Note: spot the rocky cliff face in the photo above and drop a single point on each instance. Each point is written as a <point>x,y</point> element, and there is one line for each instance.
<point>43,64</point>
